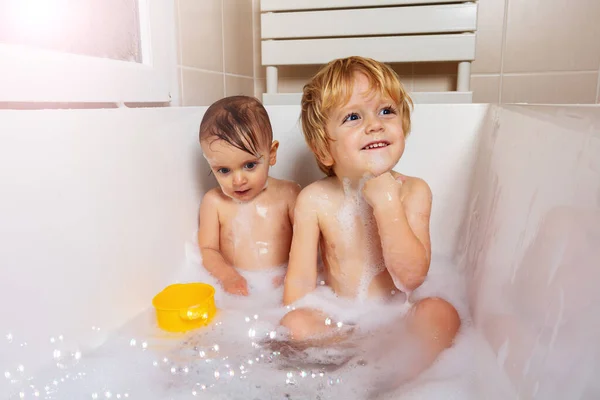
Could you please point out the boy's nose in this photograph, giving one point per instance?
(373, 125)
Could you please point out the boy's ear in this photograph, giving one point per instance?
(273, 153)
(326, 159)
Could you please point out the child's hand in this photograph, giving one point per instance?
(236, 285)
(381, 190)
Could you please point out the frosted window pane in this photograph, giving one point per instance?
(99, 28)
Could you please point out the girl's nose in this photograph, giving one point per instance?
(239, 178)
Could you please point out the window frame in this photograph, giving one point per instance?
(37, 75)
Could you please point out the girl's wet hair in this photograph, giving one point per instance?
(241, 121)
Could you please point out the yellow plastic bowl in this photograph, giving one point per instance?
(185, 306)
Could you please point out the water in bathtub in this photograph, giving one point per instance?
(243, 354)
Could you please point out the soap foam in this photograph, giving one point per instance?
(245, 354)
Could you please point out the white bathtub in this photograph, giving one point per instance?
(96, 206)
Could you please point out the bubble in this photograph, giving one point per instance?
(340, 324)
(272, 334)
(327, 321)
(216, 347)
(255, 316)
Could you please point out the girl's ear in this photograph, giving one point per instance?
(273, 153)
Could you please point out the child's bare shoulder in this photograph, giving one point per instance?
(317, 192)
(416, 193)
(214, 197)
(289, 189)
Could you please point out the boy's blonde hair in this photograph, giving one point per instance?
(331, 87)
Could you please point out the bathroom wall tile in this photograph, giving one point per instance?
(292, 84)
(485, 88)
(563, 88)
(296, 71)
(552, 35)
(490, 23)
(407, 81)
(402, 68)
(259, 70)
(235, 85)
(200, 29)
(434, 83)
(436, 68)
(238, 37)
(177, 30)
(260, 87)
(201, 88)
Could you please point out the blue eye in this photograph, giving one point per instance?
(250, 165)
(388, 110)
(223, 170)
(351, 117)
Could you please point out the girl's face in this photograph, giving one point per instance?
(241, 175)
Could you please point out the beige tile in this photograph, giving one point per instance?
(407, 81)
(402, 68)
(292, 84)
(572, 88)
(436, 68)
(486, 88)
(201, 88)
(259, 70)
(260, 87)
(235, 85)
(238, 35)
(490, 21)
(200, 30)
(177, 39)
(434, 83)
(295, 71)
(552, 35)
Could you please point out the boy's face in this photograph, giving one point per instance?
(367, 135)
(240, 175)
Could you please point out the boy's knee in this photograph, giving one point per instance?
(300, 323)
(440, 315)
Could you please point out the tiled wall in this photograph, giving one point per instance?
(536, 51)
(216, 49)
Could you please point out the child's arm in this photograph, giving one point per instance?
(301, 277)
(208, 240)
(294, 192)
(402, 212)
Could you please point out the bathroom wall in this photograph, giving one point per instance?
(530, 245)
(531, 51)
(216, 49)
